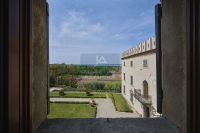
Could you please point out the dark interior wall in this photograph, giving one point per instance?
(173, 38)
(14, 61)
(40, 62)
(15, 101)
(1, 66)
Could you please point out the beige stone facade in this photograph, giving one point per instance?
(139, 78)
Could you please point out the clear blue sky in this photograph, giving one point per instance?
(97, 26)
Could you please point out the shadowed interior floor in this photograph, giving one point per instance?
(118, 125)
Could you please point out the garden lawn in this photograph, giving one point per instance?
(120, 102)
(65, 110)
(79, 95)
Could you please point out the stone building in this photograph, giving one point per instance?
(139, 77)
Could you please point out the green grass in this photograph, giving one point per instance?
(65, 110)
(120, 102)
(79, 95)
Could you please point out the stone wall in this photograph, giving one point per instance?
(173, 38)
(40, 62)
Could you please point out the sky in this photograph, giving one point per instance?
(79, 27)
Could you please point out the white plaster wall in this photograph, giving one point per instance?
(139, 75)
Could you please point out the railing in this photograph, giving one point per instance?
(143, 99)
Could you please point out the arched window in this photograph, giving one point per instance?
(145, 89)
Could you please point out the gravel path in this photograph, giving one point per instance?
(105, 107)
(70, 100)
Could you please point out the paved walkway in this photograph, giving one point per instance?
(105, 107)
(83, 100)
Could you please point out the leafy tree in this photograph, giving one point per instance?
(108, 86)
(68, 75)
(52, 80)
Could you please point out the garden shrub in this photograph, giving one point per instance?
(93, 103)
(104, 86)
(61, 92)
(88, 93)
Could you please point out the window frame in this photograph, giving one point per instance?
(131, 63)
(145, 66)
(124, 89)
(131, 80)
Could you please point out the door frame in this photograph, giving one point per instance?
(193, 65)
(145, 89)
(158, 17)
(3, 67)
(16, 67)
(146, 111)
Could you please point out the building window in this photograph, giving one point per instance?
(124, 90)
(145, 64)
(131, 96)
(124, 76)
(131, 63)
(124, 63)
(131, 80)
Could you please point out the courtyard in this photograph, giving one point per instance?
(98, 105)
